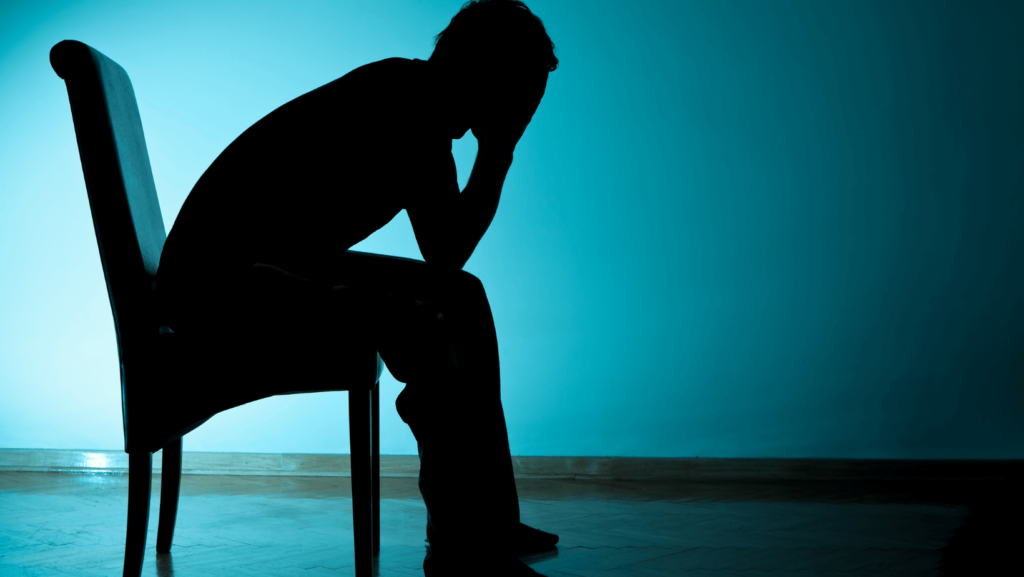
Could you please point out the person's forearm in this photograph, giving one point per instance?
(479, 202)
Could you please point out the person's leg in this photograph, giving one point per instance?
(465, 467)
(452, 404)
(435, 333)
(465, 334)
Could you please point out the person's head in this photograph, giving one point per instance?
(499, 53)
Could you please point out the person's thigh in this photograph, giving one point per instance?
(400, 277)
(364, 296)
(430, 326)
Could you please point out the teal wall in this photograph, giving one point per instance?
(734, 228)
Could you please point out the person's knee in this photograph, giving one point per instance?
(465, 284)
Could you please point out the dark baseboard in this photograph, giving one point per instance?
(620, 468)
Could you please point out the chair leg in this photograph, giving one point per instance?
(140, 486)
(375, 465)
(359, 454)
(170, 487)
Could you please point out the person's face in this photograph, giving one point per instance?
(509, 99)
(504, 98)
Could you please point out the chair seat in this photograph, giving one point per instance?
(194, 379)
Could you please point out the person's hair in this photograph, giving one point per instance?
(503, 30)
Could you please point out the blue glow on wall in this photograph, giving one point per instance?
(734, 228)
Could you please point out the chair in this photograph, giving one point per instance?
(130, 233)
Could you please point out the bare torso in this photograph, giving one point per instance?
(310, 179)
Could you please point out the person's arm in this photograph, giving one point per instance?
(448, 225)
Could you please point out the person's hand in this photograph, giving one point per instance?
(502, 132)
(503, 120)
(505, 109)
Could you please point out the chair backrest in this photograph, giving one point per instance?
(122, 196)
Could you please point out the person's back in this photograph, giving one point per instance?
(308, 181)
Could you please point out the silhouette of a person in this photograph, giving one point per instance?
(322, 172)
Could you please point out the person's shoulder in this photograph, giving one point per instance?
(383, 79)
(388, 67)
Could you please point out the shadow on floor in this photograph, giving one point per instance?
(986, 543)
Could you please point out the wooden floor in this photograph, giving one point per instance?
(58, 524)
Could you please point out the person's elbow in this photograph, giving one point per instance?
(444, 254)
(444, 240)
